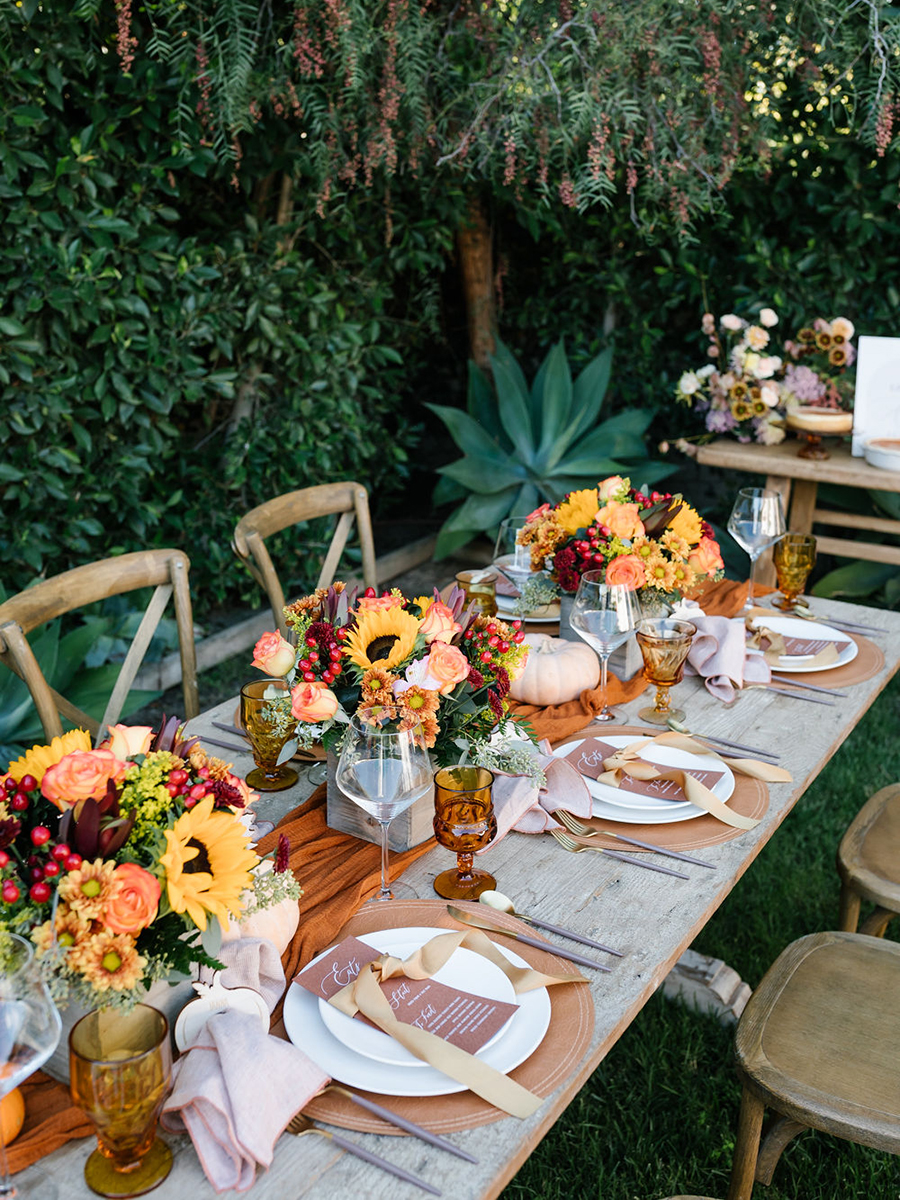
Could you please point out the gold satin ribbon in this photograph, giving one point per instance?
(627, 761)
(777, 650)
(364, 995)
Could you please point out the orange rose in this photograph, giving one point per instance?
(439, 624)
(627, 570)
(81, 775)
(447, 666)
(313, 702)
(273, 655)
(135, 900)
(707, 558)
(127, 741)
(621, 520)
(379, 603)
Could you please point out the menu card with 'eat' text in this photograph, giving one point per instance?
(458, 1017)
(588, 759)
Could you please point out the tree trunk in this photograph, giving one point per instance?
(476, 260)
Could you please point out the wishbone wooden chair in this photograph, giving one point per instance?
(164, 570)
(868, 862)
(349, 499)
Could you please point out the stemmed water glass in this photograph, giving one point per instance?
(605, 615)
(756, 522)
(29, 1031)
(384, 770)
(510, 558)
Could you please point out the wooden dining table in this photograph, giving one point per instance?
(652, 918)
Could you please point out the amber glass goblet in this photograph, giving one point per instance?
(266, 718)
(664, 644)
(121, 1067)
(795, 557)
(464, 821)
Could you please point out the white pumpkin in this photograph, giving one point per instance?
(278, 923)
(556, 671)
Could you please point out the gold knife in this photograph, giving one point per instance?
(551, 948)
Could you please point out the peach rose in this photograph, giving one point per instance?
(127, 741)
(627, 570)
(135, 900)
(439, 624)
(448, 665)
(313, 702)
(609, 486)
(540, 511)
(379, 603)
(707, 558)
(621, 520)
(273, 655)
(81, 775)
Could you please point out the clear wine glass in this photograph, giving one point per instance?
(605, 615)
(29, 1033)
(510, 558)
(383, 770)
(756, 522)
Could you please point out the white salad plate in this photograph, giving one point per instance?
(518, 1039)
(612, 804)
(797, 627)
(506, 611)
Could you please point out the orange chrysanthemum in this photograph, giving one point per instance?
(88, 889)
(109, 961)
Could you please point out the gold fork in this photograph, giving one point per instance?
(576, 848)
(575, 826)
(300, 1125)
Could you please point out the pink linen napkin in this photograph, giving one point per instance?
(237, 1086)
(520, 804)
(719, 654)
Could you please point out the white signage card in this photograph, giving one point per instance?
(876, 406)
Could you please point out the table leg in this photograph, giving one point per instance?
(765, 570)
(803, 506)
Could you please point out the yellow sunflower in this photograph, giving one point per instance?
(40, 758)
(686, 524)
(207, 863)
(382, 638)
(577, 512)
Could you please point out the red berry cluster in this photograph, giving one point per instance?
(321, 653)
(487, 645)
(189, 788)
(36, 872)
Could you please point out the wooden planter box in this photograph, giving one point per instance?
(409, 829)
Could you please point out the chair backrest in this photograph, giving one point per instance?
(164, 570)
(349, 499)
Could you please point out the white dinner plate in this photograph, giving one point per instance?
(521, 1037)
(796, 627)
(506, 611)
(464, 970)
(612, 804)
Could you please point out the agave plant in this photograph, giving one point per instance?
(522, 446)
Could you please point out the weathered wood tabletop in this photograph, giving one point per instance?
(652, 918)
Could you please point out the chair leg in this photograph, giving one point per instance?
(780, 1132)
(877, 922)
(850, 906)
(743, 1169)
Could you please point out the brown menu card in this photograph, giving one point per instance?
(588, 759)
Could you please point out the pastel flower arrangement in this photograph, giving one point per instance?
(420, 664)
(655, 544)
(745, 389)
(818, 374)
(124, 863)
(736, 392)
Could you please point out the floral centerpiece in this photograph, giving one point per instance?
(655, 543)
(423, 664)
(737, 391)
(817, 371)
(122, 864)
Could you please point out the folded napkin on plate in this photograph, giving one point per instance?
(719, 654)
(521, 804)
(237, 1086)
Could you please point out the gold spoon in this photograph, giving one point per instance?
(503, 904)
